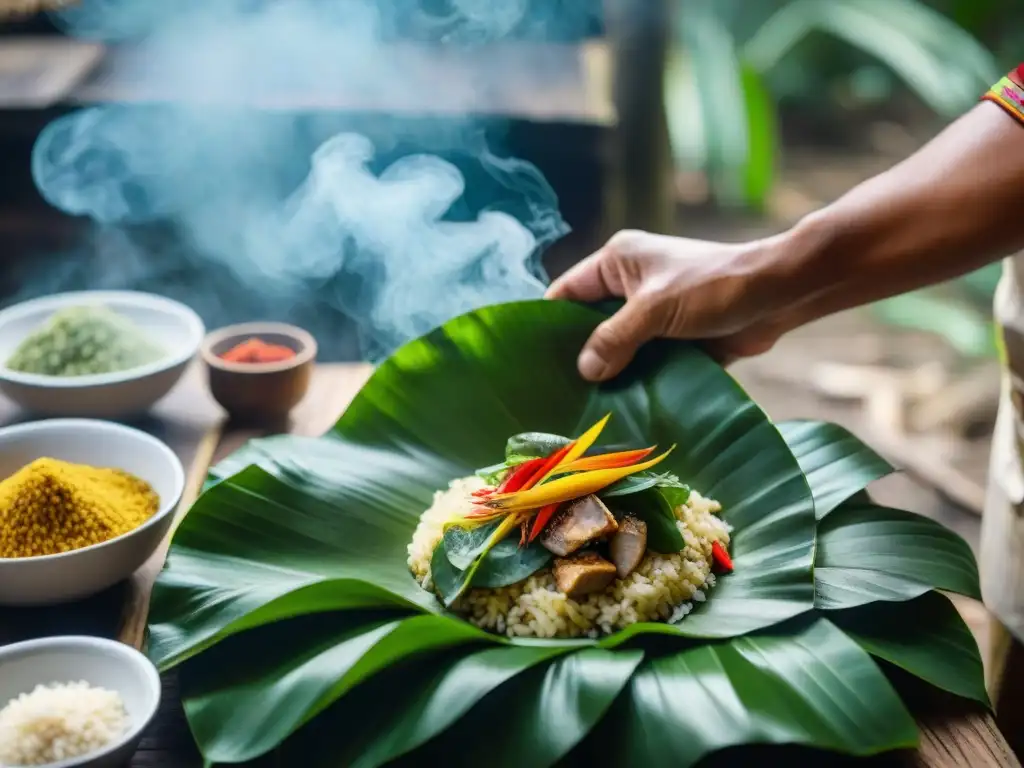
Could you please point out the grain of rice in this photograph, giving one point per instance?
(58, 722)
(662, 588)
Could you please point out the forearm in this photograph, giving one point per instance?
(954, 206)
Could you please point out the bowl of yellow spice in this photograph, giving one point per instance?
(83, 504)
(96, 354)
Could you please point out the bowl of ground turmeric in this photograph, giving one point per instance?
(83, 504)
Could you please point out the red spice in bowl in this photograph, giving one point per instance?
(255, 350)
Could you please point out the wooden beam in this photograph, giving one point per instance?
(641, 173)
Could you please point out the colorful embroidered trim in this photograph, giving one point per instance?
(1008, 93)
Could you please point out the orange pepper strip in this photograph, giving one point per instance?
(550, 463)
(577, 448)
(607, 460)
(567, 488)
(543, 516)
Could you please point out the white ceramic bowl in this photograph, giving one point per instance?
(100, 663)
(82, 572)
(108, 395)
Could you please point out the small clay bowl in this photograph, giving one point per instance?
(259, 392)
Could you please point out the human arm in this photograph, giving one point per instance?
(950, 208)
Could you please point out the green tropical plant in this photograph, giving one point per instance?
(720, 108)
(301, 637)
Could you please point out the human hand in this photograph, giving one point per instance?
(674, 288)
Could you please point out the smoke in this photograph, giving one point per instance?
(294, 207)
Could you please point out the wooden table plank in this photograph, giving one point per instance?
(538, 81)
(951, 733)
(37, 72)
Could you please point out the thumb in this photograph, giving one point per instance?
(615, 342)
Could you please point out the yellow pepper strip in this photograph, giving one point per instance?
(607, 460)
(475, 517)
(567, 488)
(580, 446)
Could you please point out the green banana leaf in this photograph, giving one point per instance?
(720, 114)
(837, 465)
(287, 604)
(812, 686)
(949, 660)
(941, 62)
(868, 553)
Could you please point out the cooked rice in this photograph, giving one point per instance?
(662, 588)
(59, 722)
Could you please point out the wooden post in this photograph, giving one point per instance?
(639, 187)
(1006, 683)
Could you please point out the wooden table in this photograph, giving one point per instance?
(952, 733)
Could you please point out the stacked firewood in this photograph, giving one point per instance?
(931, 418)
(923, 418)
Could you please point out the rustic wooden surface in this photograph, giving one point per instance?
(38, 72)
(952, 733)
(564, 82)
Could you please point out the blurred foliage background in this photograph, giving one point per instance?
(735, 64)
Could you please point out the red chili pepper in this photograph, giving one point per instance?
(517, 478)
(721, 557)
(482, 492)
(542, 518)
(548, 464)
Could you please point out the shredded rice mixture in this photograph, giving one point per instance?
(662, 588)
(57, 722)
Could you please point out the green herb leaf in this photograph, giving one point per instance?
(507, 563)
(654, 509)
(503, 564)
(676, 492)
(637, 483)
(446, 577)
(464, 545)
(534, 444)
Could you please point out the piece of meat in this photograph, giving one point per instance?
(628, 545)
(578, 523)
(582, 574)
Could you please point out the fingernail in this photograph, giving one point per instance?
(591, 365)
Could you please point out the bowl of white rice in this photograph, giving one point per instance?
(69, 702)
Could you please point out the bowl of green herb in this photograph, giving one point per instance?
(99, 354)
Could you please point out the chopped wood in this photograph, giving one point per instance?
(967, 402)
(846, 381)
(927, 458)
(916, 417)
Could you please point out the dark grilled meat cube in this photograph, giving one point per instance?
(628, 545)
(580, 522)
(582, 574)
